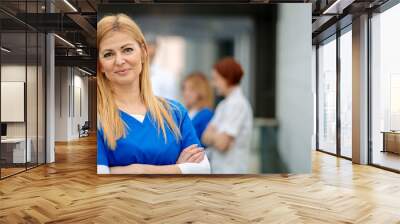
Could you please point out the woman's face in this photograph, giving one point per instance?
(120, 58)
(190, 97)
(219, 83)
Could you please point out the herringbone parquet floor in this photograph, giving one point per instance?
(69, 191)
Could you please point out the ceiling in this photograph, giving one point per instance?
(76, 22)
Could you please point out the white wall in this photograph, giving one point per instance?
(69, 85)
(12, 101)
(80, 100)
(61, 103)
(33, 126)
(294, 86)
(14, 73)
(17, 73)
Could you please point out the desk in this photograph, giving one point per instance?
(391, 141)
(18, 149)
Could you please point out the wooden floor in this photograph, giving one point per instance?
(69, 191)
(10, 171)
(5, 172)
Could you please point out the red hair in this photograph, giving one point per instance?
(230, 70)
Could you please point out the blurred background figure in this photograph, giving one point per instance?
(163, 81)
(198, 98)
(229, 133)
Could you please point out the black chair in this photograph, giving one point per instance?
(84, 130)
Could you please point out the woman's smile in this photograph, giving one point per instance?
(124, 71)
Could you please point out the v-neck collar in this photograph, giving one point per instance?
(138, 117)
(133, 118)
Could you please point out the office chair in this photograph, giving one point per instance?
(84, 130)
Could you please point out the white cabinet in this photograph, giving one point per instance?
(18, 146)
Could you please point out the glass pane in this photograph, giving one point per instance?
(41, 98)
(346, 94)
(314, 78)
(386, 89)
(13, 84)
(327, 97)
(31, 101)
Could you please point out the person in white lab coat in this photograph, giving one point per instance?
(228, 135)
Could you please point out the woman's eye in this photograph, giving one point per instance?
(128, 50)
(106, 55)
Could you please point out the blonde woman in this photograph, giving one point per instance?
(138, 133)
(199, 99)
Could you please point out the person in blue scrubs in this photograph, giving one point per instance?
(138, 132)
(198, 97)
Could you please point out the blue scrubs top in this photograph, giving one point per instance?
(200, 120)
(145, 144)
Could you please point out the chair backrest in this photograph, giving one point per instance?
(86, 125)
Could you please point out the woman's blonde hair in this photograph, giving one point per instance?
(200, 84)
(107, 110)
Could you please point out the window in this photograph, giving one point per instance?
(346, 93)
(385, 88)
(327, 96)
